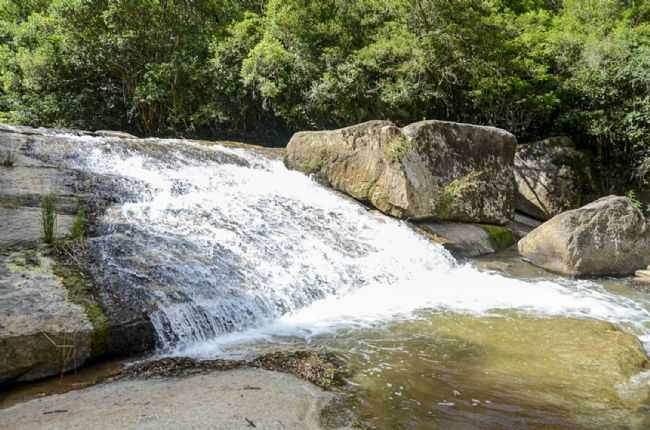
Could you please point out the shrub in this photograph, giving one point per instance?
(631, 195)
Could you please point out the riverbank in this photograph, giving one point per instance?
(235, 399)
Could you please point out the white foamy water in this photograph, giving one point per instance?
(247, 249)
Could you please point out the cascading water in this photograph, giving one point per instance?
(224, 241)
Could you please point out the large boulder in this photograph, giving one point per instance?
(552, 177)
(427, 170)
(607, 237)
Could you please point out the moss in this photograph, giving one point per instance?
(78, 230)
(448, 195)
(78, 288)
(25, 261)
(398, 148)
(10, 202)
(312, 166)
(500, 236)
(453, 191)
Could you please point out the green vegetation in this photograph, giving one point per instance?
(631, 196)
(398, 148)
(78, 230)
(312, 166)
(501, 236)
(215, 67)
(49, 218)
(79, 292)
(9, 160)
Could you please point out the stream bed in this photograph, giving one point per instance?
(232, 255)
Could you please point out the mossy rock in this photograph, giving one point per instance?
(79, 292)
(501, 237)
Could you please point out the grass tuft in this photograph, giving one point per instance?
(49, 218)
(78, 230)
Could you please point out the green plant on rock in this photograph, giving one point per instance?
(312, 166)
(398, 148)
(49, 218)
(631, 195)
(501, 236)
(9, 160)
(78, 230)
(447, 197)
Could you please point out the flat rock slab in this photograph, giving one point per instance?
(26, 186)
(238, 399)
(23, 226)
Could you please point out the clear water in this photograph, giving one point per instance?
(233, 248)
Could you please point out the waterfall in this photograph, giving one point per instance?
(225, 240)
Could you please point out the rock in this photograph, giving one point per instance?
(427, 170)
(468, 240)
(51, 320)
(22, 226)
(54, 317)
(322, 369)
(607, 237)
(552, 177)
(522, 224)
(27, 186)
(42, 333)
(237, 399)
(117, 134)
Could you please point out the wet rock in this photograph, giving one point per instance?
(468, 240)
(427, 170)
(607, 237)
(112, 133)
(322, 369)
(552, 177)
(179, 366)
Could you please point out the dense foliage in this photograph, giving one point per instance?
(268, 67)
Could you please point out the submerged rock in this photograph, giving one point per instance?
(552, 177)
(607, 237)
(427, 170)
(506, 370)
